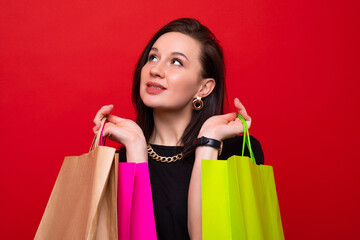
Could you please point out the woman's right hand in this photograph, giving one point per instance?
(123, 131)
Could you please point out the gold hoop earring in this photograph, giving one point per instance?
(197, 103)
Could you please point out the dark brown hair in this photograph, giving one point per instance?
(212, 62)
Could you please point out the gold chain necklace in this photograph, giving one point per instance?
(158, 158)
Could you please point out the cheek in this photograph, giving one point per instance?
(188, 83)
(186, 88)
(142, 73)
(142, 88)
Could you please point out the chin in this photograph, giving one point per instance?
(162, 102)
(151, 101)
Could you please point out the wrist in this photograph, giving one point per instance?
(205, 152)
(137, 152)
(209, 142)
(135, 143)
(209, 135)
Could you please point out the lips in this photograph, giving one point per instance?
(155, 85)
(154, 88)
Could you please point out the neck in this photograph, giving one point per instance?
(169, 126)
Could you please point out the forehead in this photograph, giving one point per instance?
(178, 42)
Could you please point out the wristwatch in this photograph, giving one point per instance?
(204, 141)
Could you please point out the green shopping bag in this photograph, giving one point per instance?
(239, 199)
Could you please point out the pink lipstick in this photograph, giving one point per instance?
(154, 88)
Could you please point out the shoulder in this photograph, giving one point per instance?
(233, 146)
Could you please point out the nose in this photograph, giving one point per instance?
(157, 71)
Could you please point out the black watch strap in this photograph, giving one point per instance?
(204, 141)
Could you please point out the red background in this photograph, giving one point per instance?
(292, 63)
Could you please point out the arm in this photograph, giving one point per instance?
(194, 199)
(217, 127)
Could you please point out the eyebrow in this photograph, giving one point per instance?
(173, 53)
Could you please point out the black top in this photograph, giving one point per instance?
(170, 185)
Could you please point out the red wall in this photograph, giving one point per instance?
(292, 63)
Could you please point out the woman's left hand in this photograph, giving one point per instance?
(225, 126)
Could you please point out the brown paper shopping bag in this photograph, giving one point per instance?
(83, 202)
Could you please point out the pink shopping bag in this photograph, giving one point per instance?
(135, 206)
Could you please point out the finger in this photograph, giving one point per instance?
(109, 130)
(96, 128)
(115, 119)
(115, 133)
(237, 121)
(248, 123)
(104, 110)
(229, 116)
(232, 130)
(246, 116)
(241, 109)
(239, 106)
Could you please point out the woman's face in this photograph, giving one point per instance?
(172, 75)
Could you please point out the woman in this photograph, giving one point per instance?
(178, 93)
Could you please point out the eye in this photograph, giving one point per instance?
(177, 62)
(152, 58)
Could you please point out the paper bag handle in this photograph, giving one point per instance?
(99, 140)
(246, 139)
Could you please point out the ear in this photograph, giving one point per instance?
(206, 87)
